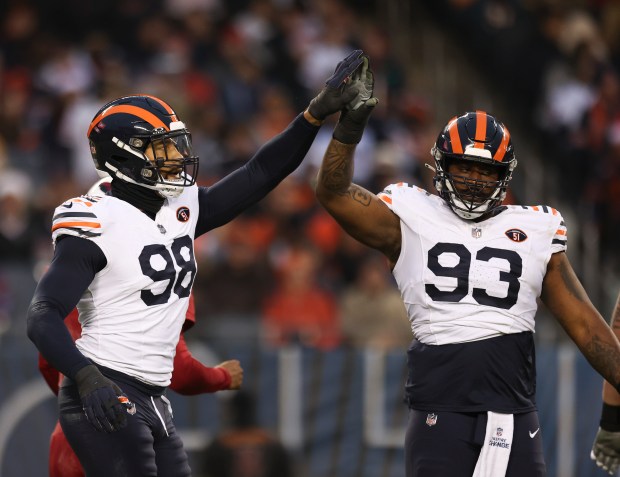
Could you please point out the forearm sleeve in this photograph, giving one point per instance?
(190, 376)
(75, 263)
(247, 185)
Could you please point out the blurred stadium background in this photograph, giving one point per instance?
(310, 313)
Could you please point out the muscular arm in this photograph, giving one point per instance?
(360, 212)
(610, 395)
(565, 297)
(247, 185)
(75, 263)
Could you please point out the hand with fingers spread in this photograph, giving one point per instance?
(104, 403)
(336, 94)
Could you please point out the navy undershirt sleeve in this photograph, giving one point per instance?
(275, 160)
(75, 263)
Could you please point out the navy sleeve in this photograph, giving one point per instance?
(75, 263)
(275, 160)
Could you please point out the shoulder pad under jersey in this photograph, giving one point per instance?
(77, 217)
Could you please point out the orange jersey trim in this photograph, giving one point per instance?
(94, 225)
(385, 198)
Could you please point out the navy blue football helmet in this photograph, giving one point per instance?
(478, 137)
(123, 130)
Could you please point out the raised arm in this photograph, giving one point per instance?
(280, 156)
(360, 213)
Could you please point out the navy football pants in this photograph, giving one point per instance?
(450, 446)
(148, 446)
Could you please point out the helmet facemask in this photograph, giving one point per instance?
(173, 165)
(470, 198)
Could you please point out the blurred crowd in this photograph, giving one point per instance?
(237, 72)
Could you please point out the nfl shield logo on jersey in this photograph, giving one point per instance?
(476, 232)
(431, 419)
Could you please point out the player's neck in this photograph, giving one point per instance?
(148, 201)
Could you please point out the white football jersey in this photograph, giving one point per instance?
(464, 281)
(133, 311)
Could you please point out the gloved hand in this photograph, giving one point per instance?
(337, 94)
(351, 124)
(362, 80)
(606, 450)
(104, 403)
(354, 117)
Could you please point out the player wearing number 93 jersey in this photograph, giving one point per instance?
(470, 271)
(463, 282)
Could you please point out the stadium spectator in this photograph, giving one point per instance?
(372, 313)
(299, 311)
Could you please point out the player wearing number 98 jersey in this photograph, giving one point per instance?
(127, 262)
(470, 271)
(147, 279)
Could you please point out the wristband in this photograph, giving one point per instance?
(610, 418)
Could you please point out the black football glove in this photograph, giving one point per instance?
(354, 117)
(363, 81)
(351, 124)
(335, 95)
(103, 401)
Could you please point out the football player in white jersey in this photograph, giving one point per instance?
(470, 271)
(127, 262)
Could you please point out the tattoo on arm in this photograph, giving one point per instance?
(360, 195)
(600, 355)
(337, 168)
